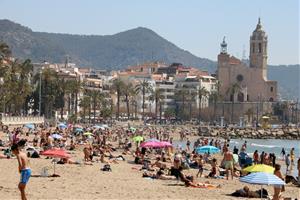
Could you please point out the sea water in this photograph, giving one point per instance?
(266, 145)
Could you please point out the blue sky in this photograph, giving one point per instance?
(194, 25)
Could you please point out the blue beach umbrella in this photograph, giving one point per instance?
(30, 126)
(262, 178)
(96, 126)
(78, 130)
(207, 149)
(62, 126)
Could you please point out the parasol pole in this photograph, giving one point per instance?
(54, 168)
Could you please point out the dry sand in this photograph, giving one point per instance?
(88, 182)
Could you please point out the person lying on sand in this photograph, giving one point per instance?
(159, 175)
(69, 161)
(106, 161)
(246, 192)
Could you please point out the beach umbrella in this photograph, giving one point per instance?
(30, 126)
(156, 144)
(262, 178)
(88, 133)
(132, 129)
(207, 149)
(138, 139)
(165, 144)
(55, 153)
(56, 136)
(151, 144)
(78, 130)
(96, 127)
(62, 126)
(260, 168)
(152, 140)
(104, 126)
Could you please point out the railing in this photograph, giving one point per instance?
(21, 120)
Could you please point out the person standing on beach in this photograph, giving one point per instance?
(24, 169)
(228, 162)
(283, 153)
(287, 162)
(292, 154)
(278, 188)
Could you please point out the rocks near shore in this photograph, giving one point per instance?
(286, 133)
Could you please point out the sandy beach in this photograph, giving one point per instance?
(124, 182)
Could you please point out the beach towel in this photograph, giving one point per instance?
(204, 186)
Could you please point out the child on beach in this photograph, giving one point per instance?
(24, 169)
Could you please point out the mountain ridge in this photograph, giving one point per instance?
(120, 50)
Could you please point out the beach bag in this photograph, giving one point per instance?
(106, 167)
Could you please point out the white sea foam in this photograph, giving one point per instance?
(263, 145)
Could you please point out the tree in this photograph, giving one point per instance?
(191, 98)
(143, 87)
(85, 104)
(16, 86)
(181, 96)
(215, 97)
(118, 86)
(201, 93)
(232, 90)
(96, 98)
(156, 96)
(128, 92)
(49, 92)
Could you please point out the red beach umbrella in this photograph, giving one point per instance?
(56, 153)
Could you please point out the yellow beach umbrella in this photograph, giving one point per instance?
(260, 168)
(88, 133)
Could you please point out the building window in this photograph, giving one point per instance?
(248, 97)
(259, 48)
(253, 48)
(271, 89)
(271, 99)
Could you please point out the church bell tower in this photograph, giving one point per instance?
(258, 49)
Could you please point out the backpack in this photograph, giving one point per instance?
(106, 167)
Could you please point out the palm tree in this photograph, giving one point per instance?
(118, 86)
(215, 97)
(232, 90)
(95, 96)
(85, 104)
(181, 96)
(143, 87)
(202, 93)
(128, 92)
(191, 98)
(156, 96)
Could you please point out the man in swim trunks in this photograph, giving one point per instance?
(228, 162)
(24, 169)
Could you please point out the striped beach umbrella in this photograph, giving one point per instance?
(262, 178)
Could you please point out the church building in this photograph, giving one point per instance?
(250, 82)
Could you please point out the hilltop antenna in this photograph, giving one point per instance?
(67, 61)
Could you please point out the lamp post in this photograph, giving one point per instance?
(40, 94)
